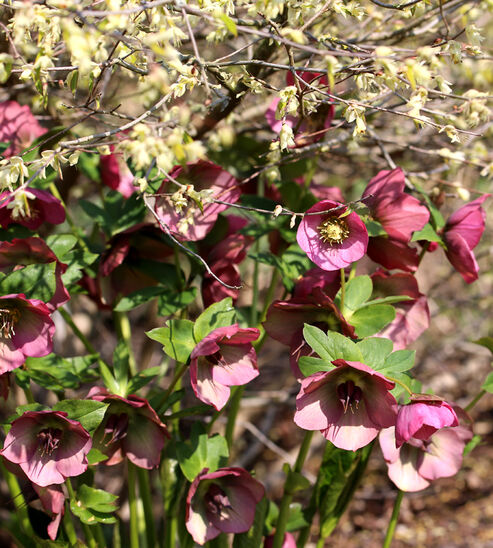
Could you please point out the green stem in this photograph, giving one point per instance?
(125, 333)
(270, 294)
(132, 502)
(98, 533)
(475, 400)
(287, 498)
(343, 289)
(145, 494)
(393, 520)
(408, 390)
(17, 499)
(253, 309)
(103, 367)
(179, 372)
(90, 540)
(68, 525)
(234, 407)
(29, 394)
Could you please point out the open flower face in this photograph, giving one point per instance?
(48, 446)
(332, 239)
(349, 404)
(131, 428)
(26, 329)
(414, 465)
(222, 502)
(224, 358)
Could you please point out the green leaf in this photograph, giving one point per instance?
(94, 505)
(295, 481)
(229, 23)
(487, 342)
(95, 456)
(36, 281)
(55, 373)
(331, 346)
(309, 365)
(172, 301)
(142, 378)
(374, 228)
(61, 244)
(427, 233)
(77, 260)
(139, 297)
(219, 314)
(371, 319)
(375, 351)
(358, 291)
(388, 300)
(201, 452)
(89, 413)
(253, 537)
(398, 362)
(488, 384)
(296, 518)
(177, 339)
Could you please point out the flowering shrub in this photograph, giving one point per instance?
(220, 232)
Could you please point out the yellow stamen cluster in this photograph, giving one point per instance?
(8, 320)
(333, 230)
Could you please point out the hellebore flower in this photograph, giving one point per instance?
(115, 173)
(461, 235)
(223, 501)
(26, 251)
(314, 126)
(192, 223)
(332, 240)
(288, 542)
(53, 501)
(30, 209)
(224, 358)
(422, 417)
(399, 213)
(18, 127)
(26, 329)
(130, 428)
(414, 465)
(349, 404)
(47, 446)
(411, 317)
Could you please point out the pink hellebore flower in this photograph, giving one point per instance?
(48, 446)
(414, 465)
(223, 501)
(224, 358)
(115, 173)
(192, 223)
(349, 404)
(334, 239)
(288, 542)
(462, 234)
(26, 329)
(25, 251)
(412, 318)
(131, 428)
(422, 417)
(18, 126)
(41, 207)
(53, 502)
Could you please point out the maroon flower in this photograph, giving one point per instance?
(224, 358)
(47, 446)
(41, 207)
(222, 502)
(22, 252)
(192, 223)
(412, 317)
(18, 127)
(131, 428)
(462, 234)
(53, 502)
(115, 173)
(26, 329)
(334, 239)
(349, 404)
(422, 417)
(393, 254)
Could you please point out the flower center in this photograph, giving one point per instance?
(215, 358)
(49, 440)
(216, 500)
(333, 230)
(349, 394)
(8, 320)
(116, 428)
